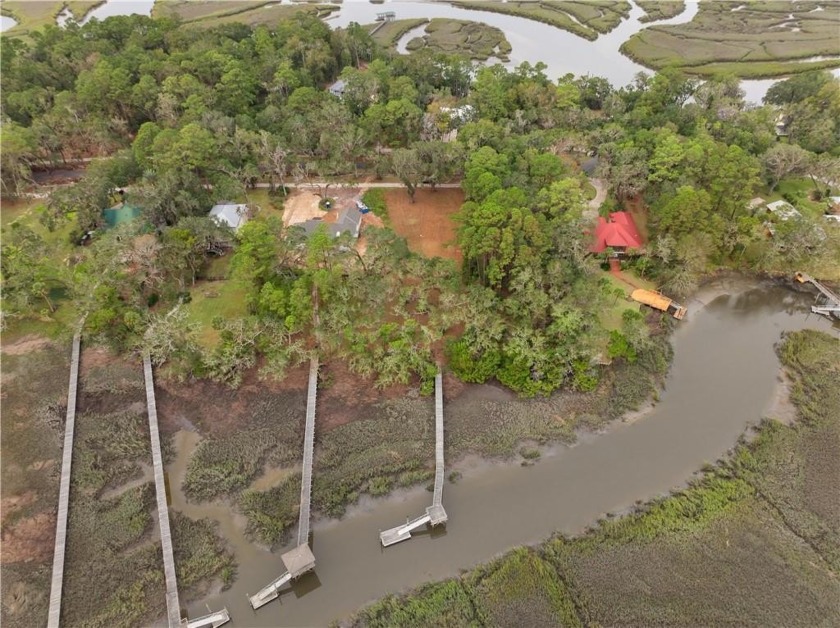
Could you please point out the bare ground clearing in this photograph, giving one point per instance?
(427, 223)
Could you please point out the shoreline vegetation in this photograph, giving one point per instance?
(475, 40)
(660, 9)
(758, 533)
(478, 41)
(759, 40)
(584, 19)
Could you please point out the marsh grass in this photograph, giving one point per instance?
(272, 513)
(370, 455)
(222, 466)
(200, 554)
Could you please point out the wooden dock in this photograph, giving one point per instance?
(54, 616)
(308, 452)
(435, 514)
(213, 620)
(173, 607)
(831, 301)
(299, 560)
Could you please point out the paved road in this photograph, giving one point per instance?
(364, 185)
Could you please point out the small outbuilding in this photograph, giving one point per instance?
(337, 88)
(618, 233)
(783, 210)
(231, 214)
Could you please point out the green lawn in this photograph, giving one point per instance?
(610, 316)
(800, 189)
(225, 298)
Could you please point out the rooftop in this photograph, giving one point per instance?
(783, 210)
(619, 232)
(231, 214)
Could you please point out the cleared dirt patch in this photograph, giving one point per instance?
(427, 223)
(300, 206)
(26, 344)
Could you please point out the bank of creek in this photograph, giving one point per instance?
(725, 377)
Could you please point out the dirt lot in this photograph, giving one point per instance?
(427, 223)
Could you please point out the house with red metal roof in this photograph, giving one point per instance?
(619, 233)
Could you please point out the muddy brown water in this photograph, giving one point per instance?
(725, 377)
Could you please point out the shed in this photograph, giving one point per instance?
(231, 214)
(337, 88)
(755, 203)
(783, 210)
(619, 233)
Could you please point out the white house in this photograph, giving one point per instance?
(230, 214)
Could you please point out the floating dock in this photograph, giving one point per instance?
(435, 514)
(659, 301)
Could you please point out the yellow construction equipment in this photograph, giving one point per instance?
(659, 301)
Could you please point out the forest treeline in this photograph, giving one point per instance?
(183, 117)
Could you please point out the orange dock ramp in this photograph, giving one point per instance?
(659, 302)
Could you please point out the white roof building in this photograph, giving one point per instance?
(230, 214)
(783, 210)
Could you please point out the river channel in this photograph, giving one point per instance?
(725, 377)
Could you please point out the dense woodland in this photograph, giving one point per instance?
(184, 117)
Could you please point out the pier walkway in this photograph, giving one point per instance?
(173, 606)
(435, 514)
(64, 490)
(299, 560)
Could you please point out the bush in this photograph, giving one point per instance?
(468, 366)
(374, 198)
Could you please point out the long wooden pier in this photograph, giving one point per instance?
(299, 560)
(435, 514)
(64, 489)
(173, 607)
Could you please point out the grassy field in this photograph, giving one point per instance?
(474, 39)
(660, 9)
(752, 543)
(209, 299)
(799, 190)
(585, 19)
(761, 41)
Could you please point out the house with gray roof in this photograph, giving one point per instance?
(348, 220)
(231, 214)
